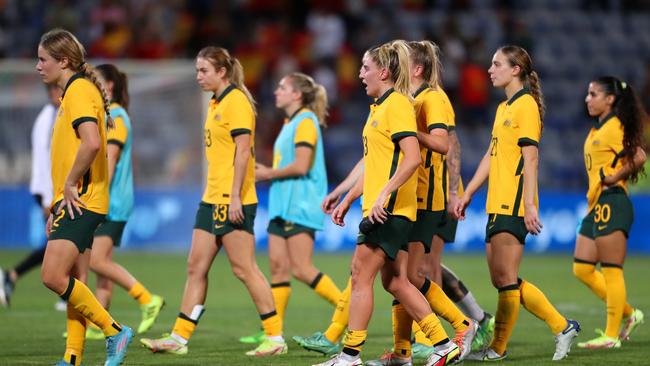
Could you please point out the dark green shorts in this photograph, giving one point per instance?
(448, 230)
(505, 223)
(427, 224)
(203, 219)
(222, 224)
(112, 229)
(79, 230)
(391, 236)
(613, 212)
(287, 229)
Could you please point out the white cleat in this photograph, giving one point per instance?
(341, 360)
(564, 339)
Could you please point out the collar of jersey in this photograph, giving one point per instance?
(598, 123)
(518, 94)
(420, 90)
(384, 96)
(72, 78)
(219, 98)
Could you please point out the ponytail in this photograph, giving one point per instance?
(518, 56)
(314, 95)
(90, 73)
(534, 85)
(427, 55)
(394, 56)
(630, 112)
(237, 78)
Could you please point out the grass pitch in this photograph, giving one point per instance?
(30, 331)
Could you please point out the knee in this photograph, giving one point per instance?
(97, 263)
(279, 267)
(501, 279)
(302, 273)
(195, 269)
(415, 276)
(243, 273)
(54, 281)
(395, 284)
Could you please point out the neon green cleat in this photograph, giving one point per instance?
(421, 351)
(601, 342)
(630, 323)
(166, 344)
(256, 338)
(317, 342)
(269, 348)
(95, 334)
(485, 333)
(150, 313)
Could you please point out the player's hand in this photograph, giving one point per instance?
(378, 213)
(461, 205)
(236, 211)
(339, 213)
(329, 202)
(452, 201)
(71, 200)
(262, 172)
(531, 219)
(48, 225)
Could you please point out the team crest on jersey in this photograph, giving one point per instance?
(596, 143)
(507, 123)
(374, 124)
(217, 117)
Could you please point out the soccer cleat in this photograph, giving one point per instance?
(117, 345)
(420, 351)
(601, 342)
(486, 355)
(340, 360)
(630, 323)
(256, 338)
(93, 333)
(166, 344)
(150, 313)
(390, 359)
(485, 333)
(269, 347)
(564, 339)
(444, 355)
(6, 288)
(317, 342)
(465, 338)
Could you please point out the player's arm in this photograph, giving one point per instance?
(453, 163)
(338, 214)
(437, 140)
(298, 168)
(531, 216)
(332, 199)
(480, 176)
(88, 149)
(242, 155)
(113, 153)
(627, 169)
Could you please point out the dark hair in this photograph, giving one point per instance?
(629, 110)
(120, 83)
(518, 56)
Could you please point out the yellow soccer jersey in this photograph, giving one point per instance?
(229, 115)
(391, 118)
(81, 102)
(432, 110)
(516, 124)
(603, 151)
(119, 133)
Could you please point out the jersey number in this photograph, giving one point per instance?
(493, 151)
(365, 145)
(208, 138)
(220, 213)
(603, 213)
(588, 161)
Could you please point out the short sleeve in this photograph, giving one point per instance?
(526, 116)
(615, 136)
(240, 116)
(83, 105)
(401, 119)
(118, 134)
(435, 112)
(306, 134)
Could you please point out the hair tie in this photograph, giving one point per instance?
(623, 85)
(82, 64)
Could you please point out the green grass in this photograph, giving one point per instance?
(30, 332)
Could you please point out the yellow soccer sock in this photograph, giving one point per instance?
(586, 272)
(431, 326)
(616, 295)
(272, 324)
(83, 300)
(340, 317)
(401, 330)
(184, 326)
(506, 317)
(534, 300)
(353, 341)
(281, 293)
(140, 293)
(443, 306)
(325, 288)
(74, 343)
(419, 335)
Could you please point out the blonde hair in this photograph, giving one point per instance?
(517, 56)
(61, 44)
(219, 57)
(427, 55)
(394, 56)
(314, 95)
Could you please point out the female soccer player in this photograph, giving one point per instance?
(109, 233)
(613, 155)
(227, 211)
(433, 113)
(388, 185)
(510, 165)
(299, 184)
(80, 181)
